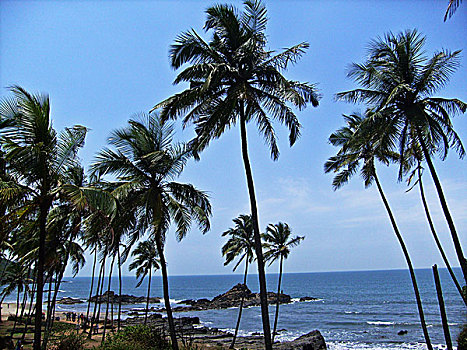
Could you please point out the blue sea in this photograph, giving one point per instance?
(354, 310)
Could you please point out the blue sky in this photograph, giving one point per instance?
(101, 62)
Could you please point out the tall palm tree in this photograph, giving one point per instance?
(145, 163)
(233, 80)
(40, 157)
(360, 144)
(240, 244)
(146, 260)
(399, 81)
(277, 241)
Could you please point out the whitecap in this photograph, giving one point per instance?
(381, 323)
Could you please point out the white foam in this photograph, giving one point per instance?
(386, 346)
(381, 323)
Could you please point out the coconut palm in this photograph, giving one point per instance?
(233, 80)
(399, 81)
(145, 162)
(145, 261)
(240, 245)
(360, 145)
(40, 158)
(277, 241)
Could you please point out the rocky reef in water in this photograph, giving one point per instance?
(231, 298)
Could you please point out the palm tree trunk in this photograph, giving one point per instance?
(435, 236)
(43, 211)
(101, 290)
(1, 302)
(147, 299)
(257, 235)
(51, 312)
(119, 289)
(92, 281)
(444, 205)
(276, 317)
(33, 290)
(16, 314)
(93, 318)
(165, 284)
(409, 263)
(108, 299)
(237, 326)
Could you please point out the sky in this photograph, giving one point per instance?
(103, 61)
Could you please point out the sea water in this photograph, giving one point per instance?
(353, 310)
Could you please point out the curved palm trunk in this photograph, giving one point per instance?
(165, 284)
(276, 317)
(232, 345)
(108, 300)
(92, 282)
(147, 299)
(257, 234)
(435, 236)
(409, 263)
(119, 289)
(444, 205)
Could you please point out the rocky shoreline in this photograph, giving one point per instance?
(190, 331)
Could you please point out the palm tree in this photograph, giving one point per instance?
(145, 162)
(277, 241)
(40, 157)
(146, 260)
(398, 81)
(240, 244)
(361, 144)
(235, 79)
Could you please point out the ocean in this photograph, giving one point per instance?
(354, 310)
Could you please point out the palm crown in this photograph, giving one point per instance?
(146, 259)
(399, 79)
(233, 76)
(278, 240)
(240, 243)
(145, 162)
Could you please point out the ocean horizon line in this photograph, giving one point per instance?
(285, 273)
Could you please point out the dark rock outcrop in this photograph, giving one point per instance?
(310, 341)
(231, 298)
(124, 298)
(69, 301)
(308, 299)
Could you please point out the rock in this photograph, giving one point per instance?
(69, 301)
(311, 341)
(402, 332)
(307, 299)
(124, 298)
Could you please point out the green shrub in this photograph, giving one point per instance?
(137, 337)
(462, 339)
(70, 341)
